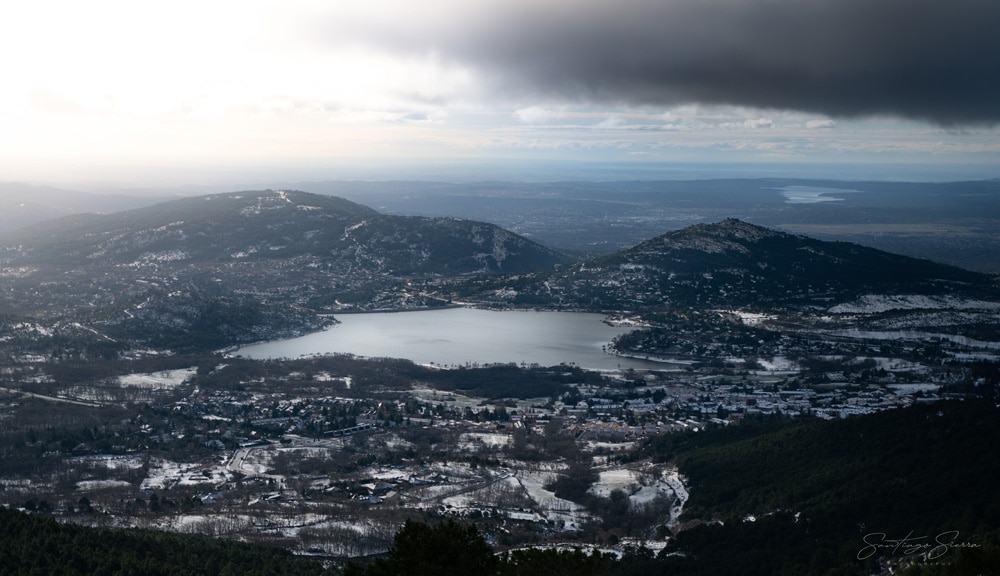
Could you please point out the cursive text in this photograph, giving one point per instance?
(909, 545)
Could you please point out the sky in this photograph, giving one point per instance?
(185, 92)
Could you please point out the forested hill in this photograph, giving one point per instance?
(267, 226)
(821, 493)
(40, 546)
(214, 271)
(734, 263)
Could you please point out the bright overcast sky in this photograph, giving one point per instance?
(90, 88)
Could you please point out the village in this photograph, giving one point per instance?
(323, 462)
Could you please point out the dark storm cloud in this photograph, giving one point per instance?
(933, 60)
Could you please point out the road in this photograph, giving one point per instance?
(52, 398)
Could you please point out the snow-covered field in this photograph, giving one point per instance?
(390, 474)
(474, 440)
(92, 485)
(642, 486)
(616, 479)
(327, 377)
(165, 380)
(877, 303)
(918, 336)
(749, 318)
(914, 388)
(113, 462)
(164, 474)
(778, 364)
(568, 515)
(534, 481)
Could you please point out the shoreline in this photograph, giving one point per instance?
(589, 348)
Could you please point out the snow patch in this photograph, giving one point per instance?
(878, 303)
(158, 380)
(472, 440)
(92, 485)
(778, 364)
(615, 479)
(749, 318)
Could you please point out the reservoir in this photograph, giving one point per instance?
(813, 194)
(463, 336)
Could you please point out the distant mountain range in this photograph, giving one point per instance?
(225, 269)
(955, 223)
(22, 205)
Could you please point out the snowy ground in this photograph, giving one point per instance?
(917, 336)
(622, 479)
(566, 514)
(778, 364)
(673, 479)
(165, 380)
(642, 486)
(165, 474)
(749, 318)
(475, 440)
(129, 462)
(242, 494)
(914, 388)
(92, 485)
(876, 303)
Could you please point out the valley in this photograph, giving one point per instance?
(126, 401)
(323, 456)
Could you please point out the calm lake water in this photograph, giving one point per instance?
(812, 194)
(460, 336)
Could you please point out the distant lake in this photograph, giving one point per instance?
(460, 336)
(812, 194)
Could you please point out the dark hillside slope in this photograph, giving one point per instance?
(232, 268)
(822, 491)
(733, 263)
(262, 226)
(33, 545)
